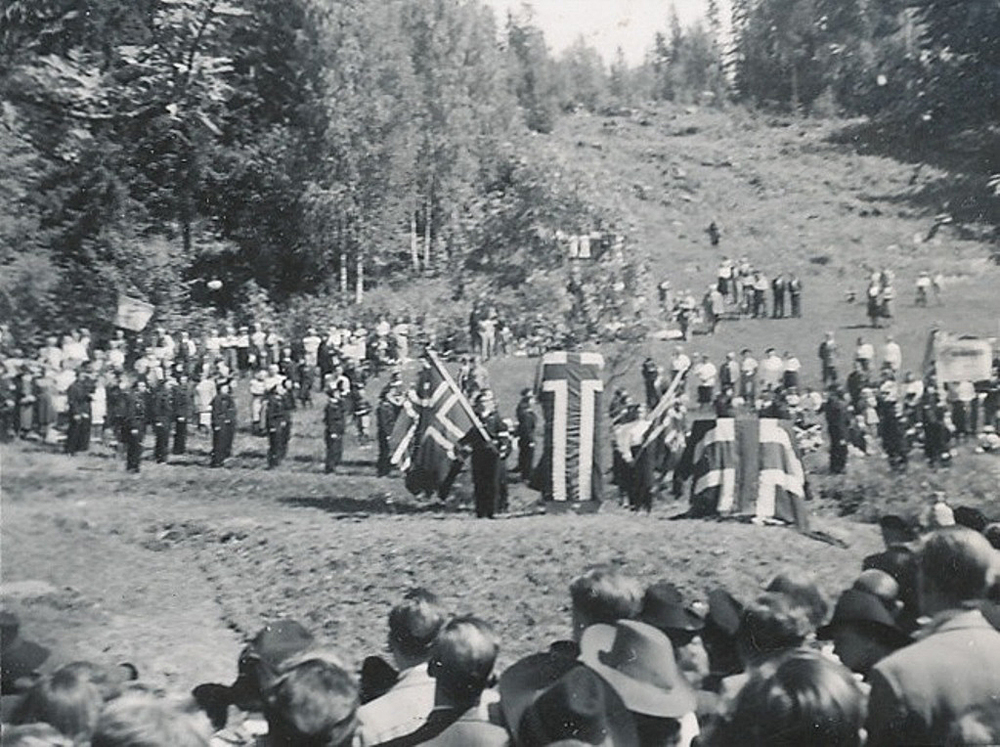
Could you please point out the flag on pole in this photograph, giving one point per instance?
(133, 314)
(663, 423)
(569, 387)
(404, 432)
(745, 466)
(445, 417)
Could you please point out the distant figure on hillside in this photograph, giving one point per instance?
(778, 287)
(923, 288)
(828, 358)
(795, 293)
(713, 233)
(874, 294)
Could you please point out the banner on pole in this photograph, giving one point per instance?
(133, 314)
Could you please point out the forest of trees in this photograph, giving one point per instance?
(304, 147)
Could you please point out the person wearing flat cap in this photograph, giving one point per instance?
(258, 669)
(637, 661)
(547, 699)
(863, 631)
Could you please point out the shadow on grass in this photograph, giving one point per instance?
(967, 158)
(346, 506)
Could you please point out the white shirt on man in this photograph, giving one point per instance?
(402, 710)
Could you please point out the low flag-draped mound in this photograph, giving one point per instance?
(746, 467)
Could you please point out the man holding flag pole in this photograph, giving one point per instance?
(426, 437)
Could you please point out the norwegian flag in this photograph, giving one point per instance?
(444, 418)
(404, 433)
(745, 466)
(667, 423)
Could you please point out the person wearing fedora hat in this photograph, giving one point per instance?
(637, 660)
(863, 631)
(546, 699)
(663, 607)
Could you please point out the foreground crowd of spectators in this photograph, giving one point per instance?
(910, 654)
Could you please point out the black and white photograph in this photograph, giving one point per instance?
(499, 373)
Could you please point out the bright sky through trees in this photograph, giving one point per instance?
(606, 24)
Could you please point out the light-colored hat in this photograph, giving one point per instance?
(637, 660)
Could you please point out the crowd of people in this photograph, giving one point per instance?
(739, 289)
(909, 654)
(180, 387)
(877, 406)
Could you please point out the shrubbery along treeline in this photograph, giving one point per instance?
(149, 146)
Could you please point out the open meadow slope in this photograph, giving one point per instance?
(173, 567)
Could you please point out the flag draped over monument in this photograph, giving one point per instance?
(745, 466)
(569, 387)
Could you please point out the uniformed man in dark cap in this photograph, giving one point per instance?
(161, 416)
(389, 405)
(223, 423)
(276, 422)
(134, 424)
(334, 426)
(486, 455)
(182, 409)
(838, 425)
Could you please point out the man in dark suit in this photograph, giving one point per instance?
(838, 425)
(920, 691)
(527, 422)
(78, 398)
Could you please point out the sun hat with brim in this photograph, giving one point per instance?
(547, 698)
(637, 660)
(861, 607)
(663, 608)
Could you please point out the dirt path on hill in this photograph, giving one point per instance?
(117, 601)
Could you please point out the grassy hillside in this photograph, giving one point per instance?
(171, 568)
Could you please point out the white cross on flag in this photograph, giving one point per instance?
(569, 387)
